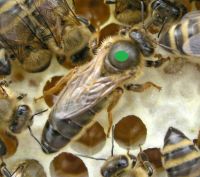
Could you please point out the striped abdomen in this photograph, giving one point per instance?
(58, 132)
(180, 157)
(178, 35)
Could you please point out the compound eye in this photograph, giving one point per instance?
(124, 55)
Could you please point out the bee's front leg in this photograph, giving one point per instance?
(156, 63)
(113, 100)
(141, 87)
(144, 160)
(59, 85)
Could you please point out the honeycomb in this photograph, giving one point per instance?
(139, 118)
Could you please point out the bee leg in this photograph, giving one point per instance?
(157, 63)
(141, 87)
(59, 85)
(143, 158)
(94, 41)
(198, 140)
(115, 97)
(4, 170)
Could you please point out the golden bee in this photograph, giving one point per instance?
(127, 166)
(129, 12)
(88, 88)
(183, 38)
(34, 31)
(27, 168)
(180, 156)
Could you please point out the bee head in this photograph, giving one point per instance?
(123, 55)
(21, 119)
(115, 165)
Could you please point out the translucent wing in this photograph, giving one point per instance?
(84, 90)
(192, 46)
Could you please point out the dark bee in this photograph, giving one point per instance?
(180, 156)
(90, 86)
(33, 31)
(183, 38)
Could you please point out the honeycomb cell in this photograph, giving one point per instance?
(128, 12)
(130, 132)
(109, 30)
(91, 141)
(49, 99)
(94, 10)
(10, 142)
(68, 165)
(154, 156)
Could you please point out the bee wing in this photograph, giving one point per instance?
(192, 46)
(85, 90)
(191, 15)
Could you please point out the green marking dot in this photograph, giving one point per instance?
(121, 56)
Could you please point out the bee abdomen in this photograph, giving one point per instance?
(187, 169)
(174, 39)
(180, 156)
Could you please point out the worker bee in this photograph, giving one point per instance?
(27, 168)
(183, 38)
(129, 12)
(127, 166)
(34, 31)
(14, 117)
(180, 156)
(86, 89)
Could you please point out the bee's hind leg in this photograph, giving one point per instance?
(141, 87)
(114, 99)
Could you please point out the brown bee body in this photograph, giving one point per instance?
(33, 31)
(87, 89)
(183, 37)
(180, 156)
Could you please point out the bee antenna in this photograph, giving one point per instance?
(112, 149)
(31, 133)
(142, 13)
(162, 27)
(20, 167)
(37, 113)
(94, 158)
